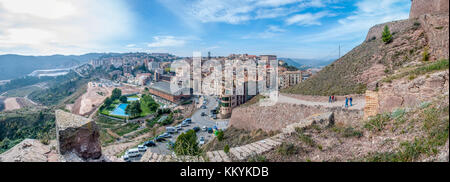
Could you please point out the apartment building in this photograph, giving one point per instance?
(289, 78)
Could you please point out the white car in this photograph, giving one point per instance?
(202, 141)
(204, 128)
(142, 148)
(133, 153)
(126, 158)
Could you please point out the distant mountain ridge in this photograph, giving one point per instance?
(14, 66)
(306, 63)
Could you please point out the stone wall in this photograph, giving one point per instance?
(372, 104)
(421, 7)
(279, 116)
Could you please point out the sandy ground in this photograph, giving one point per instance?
(94, 97)
(11, 104)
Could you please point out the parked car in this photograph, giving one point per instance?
(159, 139)
(196, 129)
(188, 120)
(184, 124)
(179, 127)
(126, 158)
(203, 114)
(165, 135)
(171, 130)
(142, 148)
(210, 130)
(149, 143)
(132, 153)
(204, 128)
(202, 141)
(203, 107)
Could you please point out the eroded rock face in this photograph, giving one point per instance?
(410, 93)
(78, 135)
(30, 150)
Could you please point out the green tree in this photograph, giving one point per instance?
(134, 109)
(123, 99)
(116, 93)
(386, 35)
(186, 144)
(108, 102)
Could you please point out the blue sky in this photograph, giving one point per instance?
(287, 28)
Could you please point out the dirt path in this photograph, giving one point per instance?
(358, 103)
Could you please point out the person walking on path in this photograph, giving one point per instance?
(329, 100)
(332, 98)
(346, 102)
(351, 100)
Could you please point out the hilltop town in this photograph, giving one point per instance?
(385, 100)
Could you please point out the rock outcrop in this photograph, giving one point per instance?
(30, 150)
(78, 135)
(421, 7)
(410, 93)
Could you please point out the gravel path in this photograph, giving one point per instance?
(358, 104)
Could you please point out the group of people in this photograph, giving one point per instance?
(348, 101)
(332, 99)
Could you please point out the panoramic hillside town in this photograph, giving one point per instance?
(383, 99)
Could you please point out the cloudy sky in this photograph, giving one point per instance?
(287, 28)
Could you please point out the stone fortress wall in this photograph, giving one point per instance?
(421, 7)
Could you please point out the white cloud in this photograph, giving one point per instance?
(130, 45)
(307, 18)
(166, 41)
(367, 14)
(236, 11)
(62, 26)
(270, 32)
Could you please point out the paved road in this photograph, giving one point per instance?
(197, 121)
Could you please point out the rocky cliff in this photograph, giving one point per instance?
(78, 135)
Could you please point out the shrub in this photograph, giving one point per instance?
(257, 158)
(351, 132)
(425, 55)
(305, 138)
(287, 149)
(226, 149)
(377, 123)
(220, 135)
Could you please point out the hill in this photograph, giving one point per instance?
(304, 64)
(14, 66)
(366, 64)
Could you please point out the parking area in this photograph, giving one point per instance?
(198, 120)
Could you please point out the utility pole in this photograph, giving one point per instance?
(339, 51)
